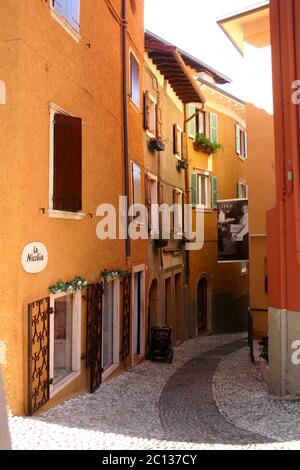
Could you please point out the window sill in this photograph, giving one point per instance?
(106, 374)
(205, 210)
(150, 135)
(64, 383)
(54, 214)
(65, 25)
(244, 159)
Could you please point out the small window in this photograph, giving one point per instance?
(201, 123)
(177, 141)
(200, 187)
(67, 163)
(241, 142)
(70, 12)
(134, 80)
(136, 184)
(192, 122)
(242, 190)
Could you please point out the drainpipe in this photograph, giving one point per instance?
(125, 119)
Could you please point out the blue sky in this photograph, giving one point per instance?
(191, 25)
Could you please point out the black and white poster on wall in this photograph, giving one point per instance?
(233, 231)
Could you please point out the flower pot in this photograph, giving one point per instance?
(156, 144)
(203, 148)
(182, 165)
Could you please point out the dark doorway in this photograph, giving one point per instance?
(202, 306)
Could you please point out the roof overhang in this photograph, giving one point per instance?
(250, 25)
(170, 64)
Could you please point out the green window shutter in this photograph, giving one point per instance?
(238, 139)
(246, 145)
(194, 189)
(213, 121)
(214, 192)
(192, 122)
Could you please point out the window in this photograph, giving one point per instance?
(110, 327)
(66, 190)
(241, 142)
(242, 190)
(65, 339)
(136, 184)
(200, 121)
(200, 186)
(134, 80)
(177, 140)
(69, 10)
(213, 120)
(152, 204)
(150, 114)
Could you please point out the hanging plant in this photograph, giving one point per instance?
(78, 283)
(112, 275)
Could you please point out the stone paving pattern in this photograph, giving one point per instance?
(157, 406)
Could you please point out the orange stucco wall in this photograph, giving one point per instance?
(42, 64)
(261, 179)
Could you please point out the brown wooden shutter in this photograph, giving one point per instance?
(161, 201)
(175, 139)
(158, 122)
(67, 184)
(146, 110)
(184, 146)
(175, 201)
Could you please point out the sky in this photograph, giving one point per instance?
(191, 26)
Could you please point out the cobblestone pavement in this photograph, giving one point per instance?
(154, 406)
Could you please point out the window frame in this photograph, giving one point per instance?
(134, 56)
(154, 103)
(76, 340)
(116, 328)
(242, 151)
(179, 131)
(64, 22)
(53, 213)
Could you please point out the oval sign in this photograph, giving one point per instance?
(34, 257)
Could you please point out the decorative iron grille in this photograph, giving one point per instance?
(94, 299)
(126, 315)
(38, 354)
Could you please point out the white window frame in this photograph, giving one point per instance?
(56, 214)
(206, 175)
(179, 139)
(137, 107)
(135, 270)
(64, 23)
(116, 328)
(76, 341)
(148, 131)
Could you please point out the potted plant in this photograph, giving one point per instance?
(203, 144)
(182, 165)
(156, 144)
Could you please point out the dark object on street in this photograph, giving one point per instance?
(161, 344)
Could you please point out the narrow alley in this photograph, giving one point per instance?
(211, 397)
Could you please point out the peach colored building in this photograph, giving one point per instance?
(70, 141)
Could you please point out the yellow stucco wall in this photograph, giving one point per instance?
(226, 164)
(41, 63)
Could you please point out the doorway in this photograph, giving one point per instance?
(168, 320)
(153, 304)
(202, 305)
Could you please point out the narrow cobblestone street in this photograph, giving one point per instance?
(211, 397)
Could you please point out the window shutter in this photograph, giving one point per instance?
(146, 110)
(184, 222)
(192, 122)
(246, 145)
(207, 125)
(184, 146)
(238, 139)
(67, 182)
(158, 122)
(194, 189)
(175, 139)
(161, 201)
(213, 118)
(214, 192)
(239, 191)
